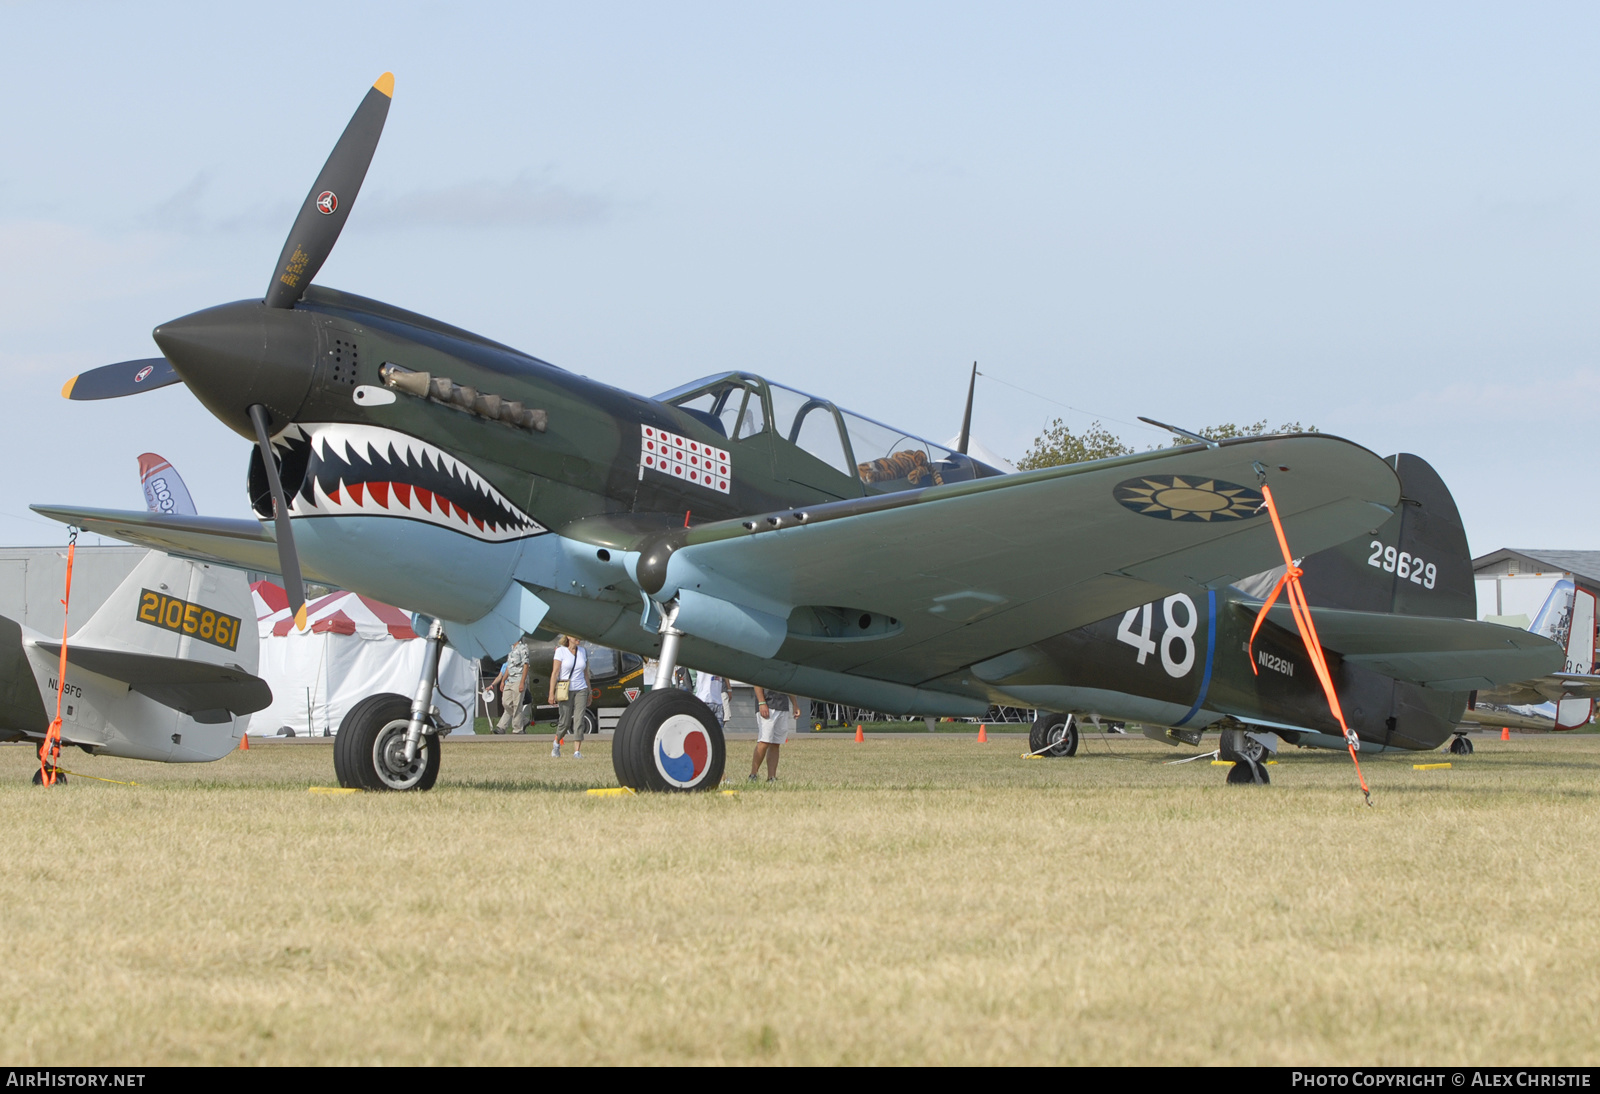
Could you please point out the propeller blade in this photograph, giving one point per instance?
(122, 378)
(322, 217)
(288, 560)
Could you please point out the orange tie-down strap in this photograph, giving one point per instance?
(1308, 633)
(50, 747)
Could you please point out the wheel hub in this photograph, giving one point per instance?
(389, 756)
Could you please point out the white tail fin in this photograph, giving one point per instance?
(1572, 713)
(164, 669)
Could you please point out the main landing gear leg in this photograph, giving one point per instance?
(422, 702)
(1249, 756)
(667, 740)
(1461, 745)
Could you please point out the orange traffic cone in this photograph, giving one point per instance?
(244, 742)
(983, 734)
(1505, 733)
(859, 735)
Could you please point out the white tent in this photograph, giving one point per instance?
(353, 647)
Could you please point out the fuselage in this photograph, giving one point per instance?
(453, 475)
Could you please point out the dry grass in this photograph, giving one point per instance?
(908, 900)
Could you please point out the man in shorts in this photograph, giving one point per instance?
(515, 676)
(775, 713)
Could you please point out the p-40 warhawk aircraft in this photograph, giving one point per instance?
(744, 528)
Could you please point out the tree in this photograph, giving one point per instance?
(1058, 445)
(1227, 431)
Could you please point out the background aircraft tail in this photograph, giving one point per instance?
(163, 670)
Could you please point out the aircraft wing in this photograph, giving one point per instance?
(964, 571)
(241, 544)
(1449, 654)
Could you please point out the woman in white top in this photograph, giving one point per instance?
(570, 668)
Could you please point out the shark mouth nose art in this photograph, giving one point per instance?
(347, 469)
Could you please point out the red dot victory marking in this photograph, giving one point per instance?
(684, 458)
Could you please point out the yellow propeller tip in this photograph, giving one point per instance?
(66, 388)
(300, 618)
(385, 84)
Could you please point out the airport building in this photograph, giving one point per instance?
(1514, 584)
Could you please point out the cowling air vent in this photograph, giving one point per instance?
(343, 358)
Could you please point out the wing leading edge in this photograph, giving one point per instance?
(240, 544)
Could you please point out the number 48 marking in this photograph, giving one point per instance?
(1176, 634)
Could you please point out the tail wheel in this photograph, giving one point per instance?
(1054, 735)
(668, 741)
(369, 752)
(1248, 773)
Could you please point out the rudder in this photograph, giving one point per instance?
(1415, 563)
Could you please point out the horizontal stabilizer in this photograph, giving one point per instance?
(1543, 689)
(1448, 654)
(241, 544)
(208, 693)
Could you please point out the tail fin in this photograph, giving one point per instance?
(1416, 563)
(165, 668)
(1568, 617)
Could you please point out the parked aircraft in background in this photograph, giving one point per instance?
(163, 670)
(749, 529)
(1561, 700)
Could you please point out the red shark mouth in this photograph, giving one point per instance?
(349, 469)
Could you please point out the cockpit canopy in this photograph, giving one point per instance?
(743, 407)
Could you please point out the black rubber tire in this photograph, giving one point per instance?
(591, 722)
(1046, 727)
(1247, 773)
(355, 748)
(1460, 746)
(621, 753)
(633, 746)
(38, 777)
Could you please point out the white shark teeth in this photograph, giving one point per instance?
(403, 456)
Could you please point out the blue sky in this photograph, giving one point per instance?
(1378, 218)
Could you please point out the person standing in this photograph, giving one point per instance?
(515, 677)
(709, 690)
(569, 691)
(775, 713)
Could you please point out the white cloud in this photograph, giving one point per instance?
(525, 201)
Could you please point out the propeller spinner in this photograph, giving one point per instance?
(249, 362)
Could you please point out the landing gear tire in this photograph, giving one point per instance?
(1248, 773)
(38, 777)
(591, 722)
(1054, 735)
(370, 751)
(667, 741)
(1461, 745)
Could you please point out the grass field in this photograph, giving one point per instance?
(906, 900)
